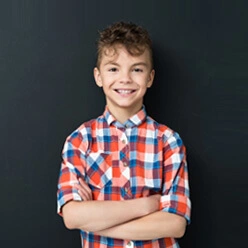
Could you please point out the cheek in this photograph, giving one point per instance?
(108, 79)
(144, 81)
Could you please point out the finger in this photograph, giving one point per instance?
(84, 184)
(84, 194)
(85, 188)
(85, 197)
(145, 193)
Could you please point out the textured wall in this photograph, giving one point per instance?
(47, 55)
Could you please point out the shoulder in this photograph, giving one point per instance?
(82, 136)
(164, 132)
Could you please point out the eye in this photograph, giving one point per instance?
(137, 70)
(113, 69)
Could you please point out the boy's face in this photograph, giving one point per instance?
(124, 79)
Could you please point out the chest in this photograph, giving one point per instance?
(125, 159)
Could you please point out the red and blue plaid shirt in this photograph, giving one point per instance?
(126, 161)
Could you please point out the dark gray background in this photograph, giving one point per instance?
(47, 55)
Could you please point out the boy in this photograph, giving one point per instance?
(123, 180)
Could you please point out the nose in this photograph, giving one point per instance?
(125, 77)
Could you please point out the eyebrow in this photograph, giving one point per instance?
(111, 63)
(135, 64)
(140, 63)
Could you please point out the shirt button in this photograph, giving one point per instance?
(129, 244)
(125, 164)
(123, 141)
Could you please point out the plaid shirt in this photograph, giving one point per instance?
(126, 161)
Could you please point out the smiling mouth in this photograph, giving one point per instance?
(124, 91)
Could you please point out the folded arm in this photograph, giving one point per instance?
(137, 219)
(153, 226)
(95, 216)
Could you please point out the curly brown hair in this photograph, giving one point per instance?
(133, 37)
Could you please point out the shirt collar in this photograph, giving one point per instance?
(135, 120)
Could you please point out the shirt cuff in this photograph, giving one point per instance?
(66, 195)
(176, 204)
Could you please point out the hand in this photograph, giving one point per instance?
(153, 203)
(84, 190)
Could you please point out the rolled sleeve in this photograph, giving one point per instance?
(176, 204)
(175, 194)
(66, 190)
(72, 168)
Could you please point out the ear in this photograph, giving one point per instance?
(97, 76)
(150, 78)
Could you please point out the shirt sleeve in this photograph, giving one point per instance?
(72, 168)
(175, 193)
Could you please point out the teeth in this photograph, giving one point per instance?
(124, 91)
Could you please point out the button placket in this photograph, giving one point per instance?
(124, 139)
(124, 150)
(124, 163)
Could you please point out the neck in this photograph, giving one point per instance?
(123, 114)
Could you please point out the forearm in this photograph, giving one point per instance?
(153, 226)
(99, 215)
